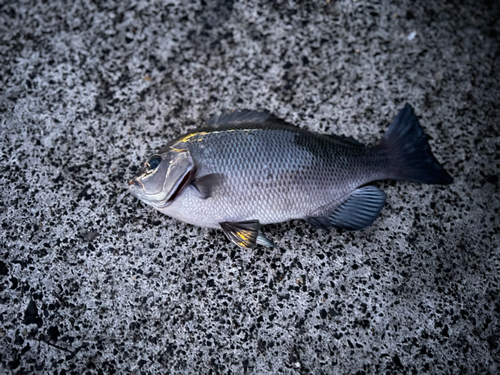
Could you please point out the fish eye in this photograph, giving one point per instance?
(153, 162)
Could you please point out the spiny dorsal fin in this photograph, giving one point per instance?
(239, 117)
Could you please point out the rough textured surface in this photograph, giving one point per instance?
(93, 281)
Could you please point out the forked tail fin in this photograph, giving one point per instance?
(410, 155)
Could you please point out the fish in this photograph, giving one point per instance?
(245, 169)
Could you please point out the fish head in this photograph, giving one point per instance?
(163, 177)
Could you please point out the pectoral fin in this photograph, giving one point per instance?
(245, 234)
(207, 184)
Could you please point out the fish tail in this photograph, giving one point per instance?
(410, 156)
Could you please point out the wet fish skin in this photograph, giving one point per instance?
(251, 168)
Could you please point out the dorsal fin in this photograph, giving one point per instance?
(239, 117)
(345, 139)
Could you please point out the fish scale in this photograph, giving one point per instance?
(303, 182)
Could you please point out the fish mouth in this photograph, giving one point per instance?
(135, 184)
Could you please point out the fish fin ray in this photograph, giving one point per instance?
(360, 210)
(344, 139)
(239, 117)
(207, 184)
(243, 233)
(319, 222)
(409, 151)
(264, 241)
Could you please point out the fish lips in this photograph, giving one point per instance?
(160, 187)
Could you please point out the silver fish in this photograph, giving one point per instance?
(246, 169)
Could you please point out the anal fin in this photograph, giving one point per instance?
(359, 211)
(319, 222)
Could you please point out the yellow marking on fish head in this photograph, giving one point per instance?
(178, 149)
(188, 138)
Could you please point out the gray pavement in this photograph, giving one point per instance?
(93, 281)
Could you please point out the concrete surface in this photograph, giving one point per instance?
(92, 281)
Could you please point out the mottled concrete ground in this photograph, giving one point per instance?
(92, 281)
